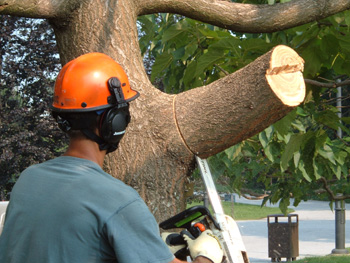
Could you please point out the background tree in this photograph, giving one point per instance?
(153, 157)
(29, 57)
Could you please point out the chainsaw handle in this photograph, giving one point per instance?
(175, 239)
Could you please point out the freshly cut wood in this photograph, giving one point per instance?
(251, 99)
(285, 75)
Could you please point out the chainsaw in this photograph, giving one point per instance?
(198, 219)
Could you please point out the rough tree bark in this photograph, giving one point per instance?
(156, 155)
(267, 88)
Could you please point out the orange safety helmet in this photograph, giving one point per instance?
(82, 84)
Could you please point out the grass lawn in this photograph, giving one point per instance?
(246, 212)
(325, 259)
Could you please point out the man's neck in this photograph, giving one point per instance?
(85, 149)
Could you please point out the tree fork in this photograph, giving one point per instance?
(263, 92)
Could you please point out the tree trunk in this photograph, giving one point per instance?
(151, 157)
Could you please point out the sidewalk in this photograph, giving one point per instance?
(316, 231)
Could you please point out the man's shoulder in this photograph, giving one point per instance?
(79, 172)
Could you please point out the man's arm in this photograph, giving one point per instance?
(197, 260)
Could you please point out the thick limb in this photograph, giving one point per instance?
(247, 18)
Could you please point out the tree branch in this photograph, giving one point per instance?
(251, 195)
(247, 18)
(222, 70)
(213, 117)
(331, 85)
(331, 193)
(38, 8)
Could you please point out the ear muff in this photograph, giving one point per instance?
(113, 124)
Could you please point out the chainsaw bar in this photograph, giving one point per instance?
(229, 234)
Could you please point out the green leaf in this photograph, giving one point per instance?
(162, 62)
(301, 168)
(347, 18)
(338, 18)
(328, 118)
(292, 147)
(344, 44)
(263, 139)
(283, 125)
(299, 125)
(340, 157)
(317, 169)
(327, 153)
(228, 43)
(269, 132)
(296, 157)
(329, 45)
(321, 139)
(179, 53)
(208, 59)
(272, 151)
(313, 59)
(255, 45)
(190, 50)
(346, 120)
(308, 151)
(337, 171)
(283, 205)
(172, 32)
(301, 112)
(233, 151)
(208, 33)
(266, 136)
(189, 73)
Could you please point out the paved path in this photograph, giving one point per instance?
(316, 231)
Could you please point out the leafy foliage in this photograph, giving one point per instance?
(299, 157)
(189, 54)
(29, 65)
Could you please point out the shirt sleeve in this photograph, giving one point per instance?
(134, 235)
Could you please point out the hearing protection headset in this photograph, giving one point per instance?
(89, 86)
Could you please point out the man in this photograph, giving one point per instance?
(68, 209)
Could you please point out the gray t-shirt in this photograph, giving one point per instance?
(68, 210)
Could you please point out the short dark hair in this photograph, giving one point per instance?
(74, 122)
